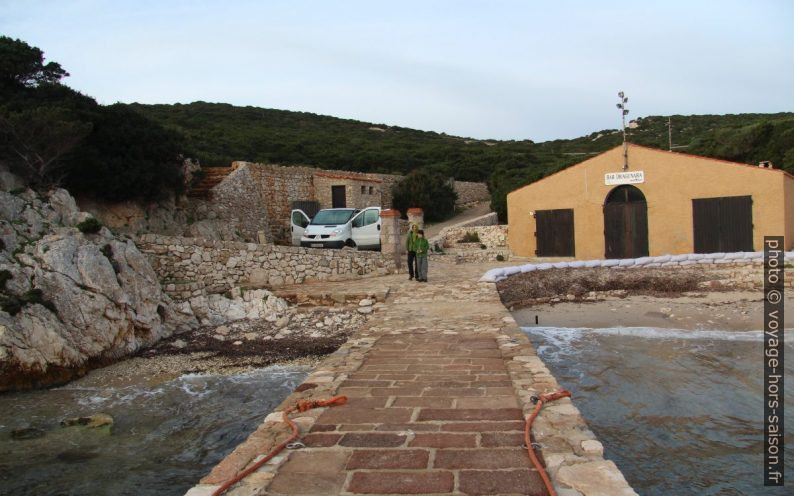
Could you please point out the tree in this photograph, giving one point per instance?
(127, 156)
(428, 190)
(22, 65)
(34, 141)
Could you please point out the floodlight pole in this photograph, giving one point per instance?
(623, 112)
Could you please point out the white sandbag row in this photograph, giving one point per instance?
(495, 275)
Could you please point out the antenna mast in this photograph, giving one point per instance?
(670, 132)
(623, 113)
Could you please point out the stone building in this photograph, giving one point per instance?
(662, 203)
(259, 197)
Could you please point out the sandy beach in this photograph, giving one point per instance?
(730, 310)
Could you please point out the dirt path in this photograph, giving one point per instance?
(468, 214)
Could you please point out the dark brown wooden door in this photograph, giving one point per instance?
(554, 233)
(338, 197)
(723, 224)
(625, 223)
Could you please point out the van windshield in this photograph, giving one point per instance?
(333, 217)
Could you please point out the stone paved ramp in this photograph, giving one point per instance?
(439, 387)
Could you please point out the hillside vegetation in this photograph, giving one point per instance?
(217, 134)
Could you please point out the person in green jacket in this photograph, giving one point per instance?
(422, 247)
(410, 247)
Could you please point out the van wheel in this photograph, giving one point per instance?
(350, 243)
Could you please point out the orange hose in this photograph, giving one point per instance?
(301, 406)
(543, 398)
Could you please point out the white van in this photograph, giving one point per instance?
(337, 227)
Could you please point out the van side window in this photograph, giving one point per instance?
(299, 220)
(371, 216)
(358, 221)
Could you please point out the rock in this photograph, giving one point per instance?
(76, 456)
(596, 478)
(222, 330)
(27, 433)
(92, 421)
(364, 310)
(219, 337)
(366, 302)
(237, 343)
(592, 447)
(179, 344)
(281, 322)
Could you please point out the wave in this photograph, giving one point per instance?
(557, 333)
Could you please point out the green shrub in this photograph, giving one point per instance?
(89, 226)
(470, 237)
(483, 247)
(428, 190)
(36, 296)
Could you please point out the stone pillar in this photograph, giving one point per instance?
(391, 246)
(416, 216)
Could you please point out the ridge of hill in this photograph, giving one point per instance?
(217, 134)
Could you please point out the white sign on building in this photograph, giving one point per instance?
(629, 177)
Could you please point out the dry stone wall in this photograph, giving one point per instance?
(470, 193)
(490, 236)
(190, 266)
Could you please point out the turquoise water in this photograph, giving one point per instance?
(164, 439)
(680, 412)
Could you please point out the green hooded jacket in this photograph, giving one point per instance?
(422, 246)
(410, 240)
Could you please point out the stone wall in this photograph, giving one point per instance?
(490, 236)
(469, 193)
(238, 210)
(278, 187)
(191, 266)
(361, 191)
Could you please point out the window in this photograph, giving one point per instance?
(299, 219)
(371, 216)
(363, 190)
(370, 190)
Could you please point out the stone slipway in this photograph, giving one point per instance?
(439, 386)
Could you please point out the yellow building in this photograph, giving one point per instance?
(663, 203)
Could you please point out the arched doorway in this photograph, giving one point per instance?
(625, 223)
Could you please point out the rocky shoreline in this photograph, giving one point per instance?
(301, 336)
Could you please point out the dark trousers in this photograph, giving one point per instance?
(413, 270)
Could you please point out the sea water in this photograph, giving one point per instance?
(164, 438)
(680, 412)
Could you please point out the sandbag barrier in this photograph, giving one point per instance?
(498, 274)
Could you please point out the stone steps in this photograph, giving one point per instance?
(212, 177)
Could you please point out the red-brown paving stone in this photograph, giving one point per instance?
(356, 427)
(372, 440)
(454, 392)
(502, 439)
(397, 377)
(403, 391)
(444, 441)
(481, 459)
(388, 459)
(306, 484)
(320, 440)
(430, 414)
(364, 416)
(407, 427)
(416, 401)
(488, 402)
(366, 403)
(315, 461)
(354, 392)
(416, 482)
(363, 383)
(526, 482)
(482, 426)
(322, 428)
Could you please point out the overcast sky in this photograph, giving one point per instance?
(486, 69)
